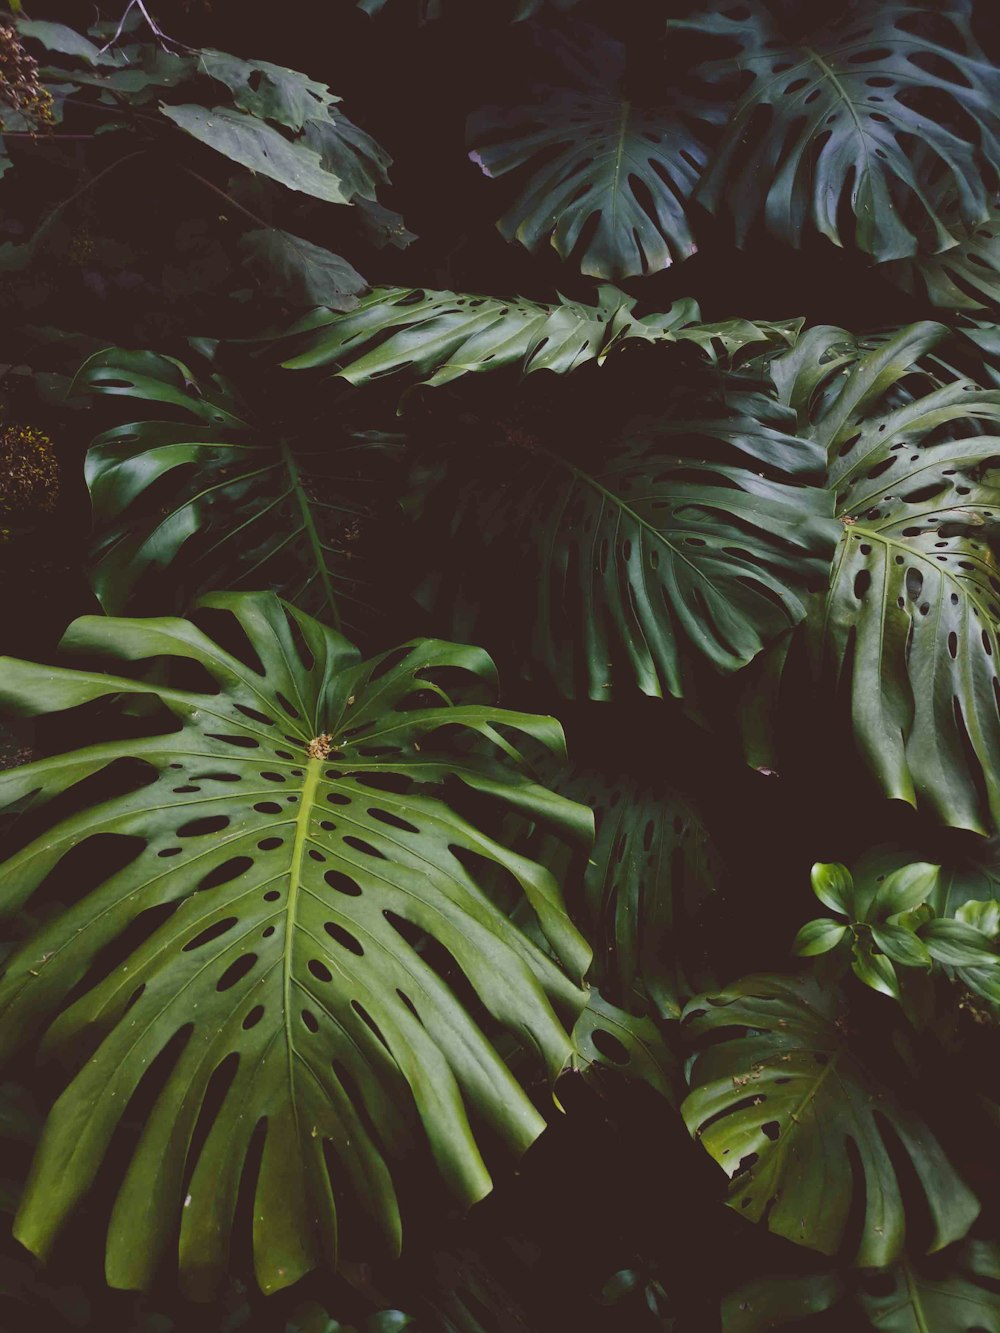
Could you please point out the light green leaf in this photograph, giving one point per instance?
(819, 936)
(901, 945)
(981, 916)
(290, 852)
(440, 336)
(958, 945)
(905, 889)
(833, 885)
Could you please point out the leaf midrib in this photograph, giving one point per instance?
(306, 801)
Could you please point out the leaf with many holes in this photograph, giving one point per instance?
(641, 561)
(304, 933)
(842, 122)
(603, 181)
(910, 624)
(218, 499)
(645, 891)
(781, 1100)
(441, 336)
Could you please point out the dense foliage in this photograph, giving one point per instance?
(499, 778)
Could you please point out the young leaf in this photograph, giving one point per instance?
(905, 889)
(819, 936)
(833, 885)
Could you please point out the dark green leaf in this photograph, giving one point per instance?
(778, 1100)
(300, 273)
(843, 119)
(603, 180)
(254, 144)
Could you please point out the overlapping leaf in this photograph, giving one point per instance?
(215, 498)
(781, 1101)
(642, 898)
(646, 561)
(602, 180)
(442, 335)
(912, 617)
(296, 888)
(844, 119)
(937, 1294)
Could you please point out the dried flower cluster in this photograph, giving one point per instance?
(19, 86)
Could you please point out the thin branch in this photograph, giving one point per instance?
(228, 198)
(162, 36)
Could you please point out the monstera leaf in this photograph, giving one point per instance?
(443, 335)
(845, 120)
(641, 561)
(277, 956)
(603, 180)
(910, 624)
(645, 891)
(781, 1100)
(964, 277)
(220, 498)
(953, 1292)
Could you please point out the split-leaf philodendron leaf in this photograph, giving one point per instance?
(296, 883)
(784, 1103)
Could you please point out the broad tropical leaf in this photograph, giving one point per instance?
(639, 562)
(964, 277)
(260, 147)
(296, 892)
(643, 897)
(953, 1292)
(845, 119)
(630, 1044)
(602, 180)
(218, 498)
(781, 1101)
(441, 336)
(911, 621)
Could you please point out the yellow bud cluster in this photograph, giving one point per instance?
(29, 470)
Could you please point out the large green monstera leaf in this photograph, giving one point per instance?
(603, 180)
(440, 336)
(643, 560)
(782, 1102)
(910, 624)
(851, 119)
(209, 496)
(284, 962)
